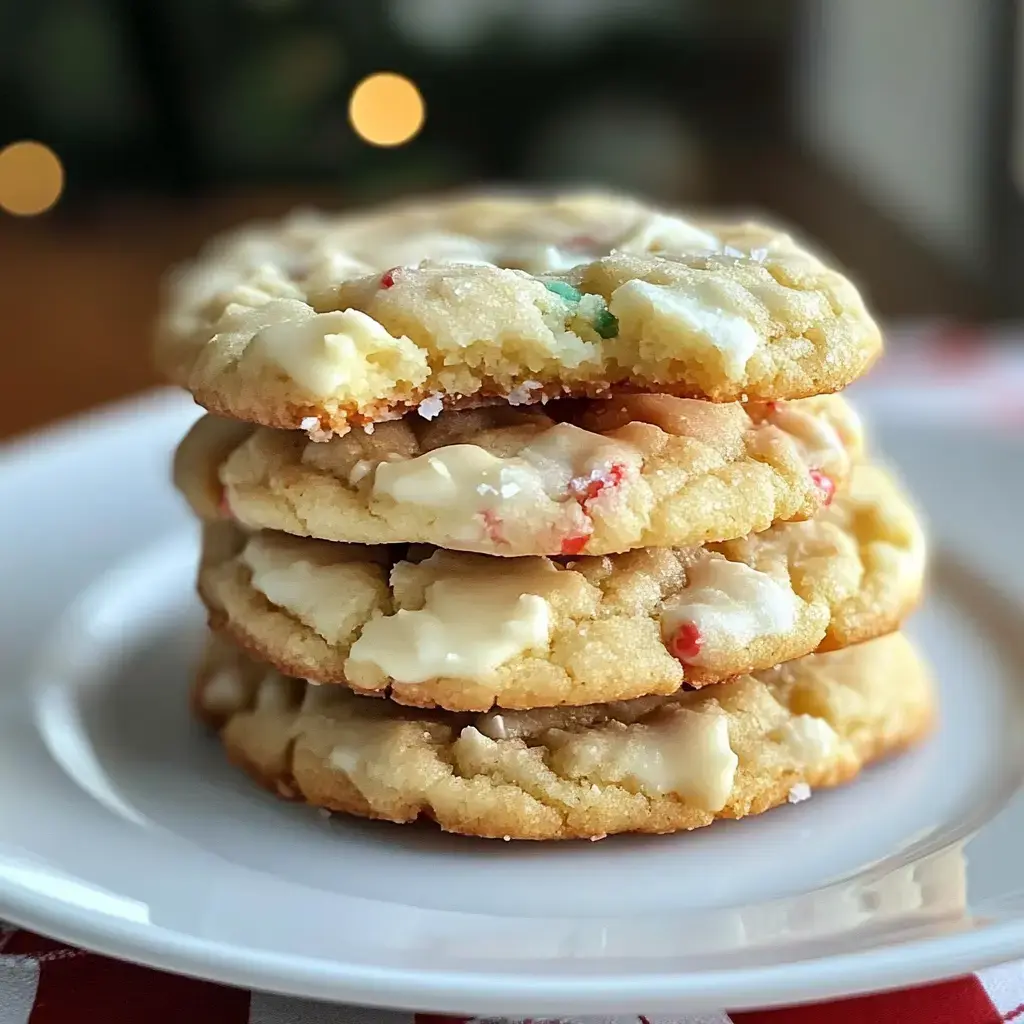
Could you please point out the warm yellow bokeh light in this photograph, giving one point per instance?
(31, 178)
(386, 109)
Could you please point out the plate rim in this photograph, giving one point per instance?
(884, 968)
(894, 965)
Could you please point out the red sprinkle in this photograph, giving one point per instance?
(223, 507)
(575, 543)
(492, 524)
(387, 279)
(589, 489)
(825, 484)
(580, 242)
(686, 643)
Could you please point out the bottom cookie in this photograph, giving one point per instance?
(654, 764)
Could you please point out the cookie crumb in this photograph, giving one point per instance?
(521, 395)
(507, 839)
(430, 407)
(314, 431)
(799, 793)
(596, 839)
(323, 812)
(368, 428)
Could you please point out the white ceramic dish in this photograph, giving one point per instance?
(122, 829)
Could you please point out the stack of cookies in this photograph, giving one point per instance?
(540, 518)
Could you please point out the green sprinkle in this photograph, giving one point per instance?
(606, 323)
(563, 290)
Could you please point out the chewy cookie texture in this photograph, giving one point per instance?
(572, 478)
(539, 517)
(657, 764)
(466, 632)
(322, 323)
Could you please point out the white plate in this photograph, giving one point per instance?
(136, 839)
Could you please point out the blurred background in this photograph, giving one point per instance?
(130, 130)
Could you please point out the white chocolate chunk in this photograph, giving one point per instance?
(470, 476)
(662, 233)
(346, 759)
(816, 439)
(330, 266)
(811, 740)
(458, 475)
(540, 258)
(658, 313)
(465, 629)
(225, 692)
(686, 752)
(550, 485)
(731, 604)
(566, 453)
(329, 594)
(342, 352)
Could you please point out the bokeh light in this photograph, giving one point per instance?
(31, 178)
(386, 109)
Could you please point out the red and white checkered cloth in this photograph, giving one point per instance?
(929, 372)
(46, 982)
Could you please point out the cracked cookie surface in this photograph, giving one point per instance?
(657, 764)
(592, 477)
(320, 322)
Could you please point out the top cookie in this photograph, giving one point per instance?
(322, 323)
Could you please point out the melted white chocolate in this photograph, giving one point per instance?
(565, 455)
(225, 692)
(468, 625)
(685, 752)
(731, 605)
(458, 475)
(322, 590)
(818, 442)
(811, 740)
(326, 352)
(541, 258)
(661, 311)
(661, 232)
(550, 484)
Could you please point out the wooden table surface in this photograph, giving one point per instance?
(78, 296)
(78, 292)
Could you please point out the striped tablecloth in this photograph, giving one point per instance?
(929, 371)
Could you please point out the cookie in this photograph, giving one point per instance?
(465, 632)
(656, 764)
(595, 478)
(321, 323)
